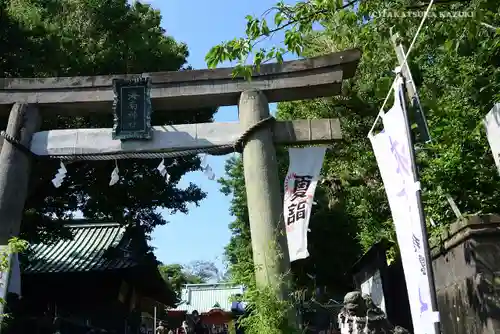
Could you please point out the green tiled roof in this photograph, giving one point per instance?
(85, 252)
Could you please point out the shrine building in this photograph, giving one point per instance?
(103, 278)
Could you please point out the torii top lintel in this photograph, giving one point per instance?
(292, 80)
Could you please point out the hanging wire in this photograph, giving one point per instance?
(381, 111)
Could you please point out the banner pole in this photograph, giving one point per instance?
(423, 225)
(414, 99)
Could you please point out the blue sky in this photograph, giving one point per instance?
(203, 232)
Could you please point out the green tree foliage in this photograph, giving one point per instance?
(455, 66)
(196, 272)
(95, 37)
(207, 271)
(239, 249)
(296, 20)
(177, 276)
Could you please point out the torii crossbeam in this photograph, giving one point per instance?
(292, 80)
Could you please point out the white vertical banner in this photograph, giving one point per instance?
(15, 276)
(300, 185)
(4, 276)
(492, 125)
(392, 151)
(10, 277)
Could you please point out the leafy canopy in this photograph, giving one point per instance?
(95, 37)
(196, 272)
(455, 67)
(295, 20)
(177, 276)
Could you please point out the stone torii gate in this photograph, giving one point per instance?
(28, 100)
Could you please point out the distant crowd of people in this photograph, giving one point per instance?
(192, 325)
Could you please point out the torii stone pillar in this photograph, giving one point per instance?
(265, 205)
(24, 121)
